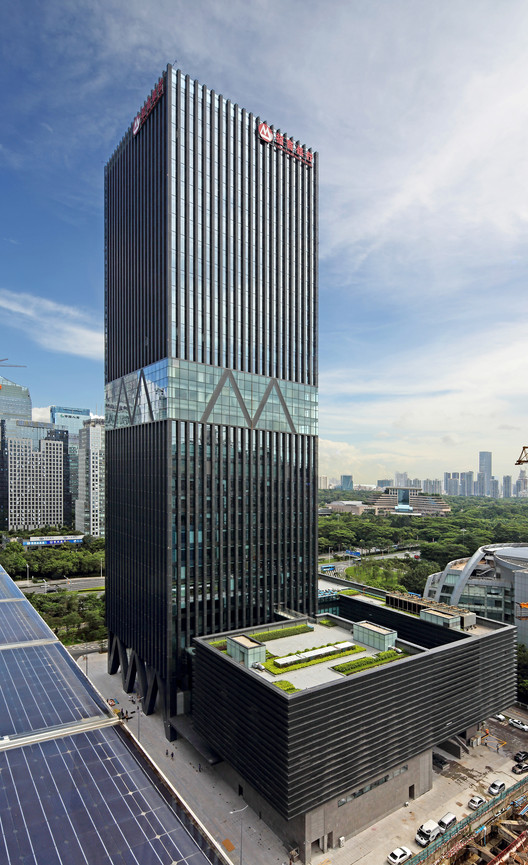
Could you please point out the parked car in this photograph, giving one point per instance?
(475, 802)
(520, 768)
(519, 725)
(257, 666)
(521, 756)
(400, 855)
(496, 787)
(499, 717)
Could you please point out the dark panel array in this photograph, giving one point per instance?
(8, 589)
(137, 540)
(41, 687)
(136, 211)
(86, 798)
(20, 623)
(303, 750)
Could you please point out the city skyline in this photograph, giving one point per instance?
(423, 224)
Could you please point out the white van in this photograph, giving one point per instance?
(446, 822)
(427, 833)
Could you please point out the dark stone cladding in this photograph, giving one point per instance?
(301, 750)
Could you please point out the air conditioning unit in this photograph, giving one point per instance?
(341, 840)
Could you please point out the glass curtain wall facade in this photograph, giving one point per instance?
(211, 380)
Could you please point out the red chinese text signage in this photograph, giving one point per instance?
(153, 100)
(282, 142)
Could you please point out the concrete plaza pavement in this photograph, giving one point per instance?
(212, 799)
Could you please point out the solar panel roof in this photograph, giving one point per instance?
(87, 799)
(41, 686)
(8, 589)
(20, 623)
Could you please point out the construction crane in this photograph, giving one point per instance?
(3, 363)
(523, 457)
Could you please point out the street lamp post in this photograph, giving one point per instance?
(101, 559)
(139, 702)
(27, 573)
(239, 811)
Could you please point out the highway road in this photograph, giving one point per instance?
(74, 584)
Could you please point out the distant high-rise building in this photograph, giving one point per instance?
(485, 469)
(507, 487)
(494, 489)
(480, 484)
(323, 482)
(385, 482)
(466, 483)
(447, 478)
(521, 484)
(401, 479)
(15, 401)
(90, 504)
(347, 482)
(453, 485)
(34, 475)
(432, 487)
(211, 381)
(71, 419)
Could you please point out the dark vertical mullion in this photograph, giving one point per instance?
(222, 300)
(315, 277)
(187, 287)
(196, 351)
(249, 141)
(230, 298)
(214, 234)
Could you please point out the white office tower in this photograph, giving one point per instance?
(90, 505)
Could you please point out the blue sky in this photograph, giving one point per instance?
(419, 111)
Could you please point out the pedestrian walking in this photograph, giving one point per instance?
(199, 767)
(172, 755)
(166, 752)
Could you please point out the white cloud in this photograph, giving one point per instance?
(41, 414)
(54, 326)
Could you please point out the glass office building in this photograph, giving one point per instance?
(211, 381)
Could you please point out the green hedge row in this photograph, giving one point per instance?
(277, 633)
(364, 663)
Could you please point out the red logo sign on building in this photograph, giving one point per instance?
(265, 132)
(152, 100)
(287, 145)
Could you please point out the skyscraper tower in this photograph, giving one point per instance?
(211, 381)
(485, 469)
